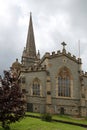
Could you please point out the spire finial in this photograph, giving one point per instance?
(38, 55)
(16, 59)
(30, 13)
(38, 52)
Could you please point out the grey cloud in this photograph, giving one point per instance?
(13, 34)
(9, 37)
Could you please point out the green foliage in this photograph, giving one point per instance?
(46, 117)
(6, 127)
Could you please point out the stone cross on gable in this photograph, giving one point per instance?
(63, 44)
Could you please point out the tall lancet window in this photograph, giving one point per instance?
(64, 83)
(36, 87)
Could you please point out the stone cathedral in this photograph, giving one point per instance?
(54, 83)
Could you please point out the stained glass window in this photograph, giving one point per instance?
(64, 83)
(36, 88)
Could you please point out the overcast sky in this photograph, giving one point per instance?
(54, 21)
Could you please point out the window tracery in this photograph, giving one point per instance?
(36, 87)
(64, 83)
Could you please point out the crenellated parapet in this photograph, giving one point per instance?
(34, 68)
(61, 53)
(83, 74)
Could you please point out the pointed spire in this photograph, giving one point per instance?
(38, 55)
(30, 44)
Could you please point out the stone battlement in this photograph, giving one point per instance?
(85, 74)
(82, 73)
(34, 68)
(59, 53)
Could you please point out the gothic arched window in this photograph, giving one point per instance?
(64, 83)
(36, 87)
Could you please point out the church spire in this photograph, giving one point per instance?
(29, 54)
(30, 43)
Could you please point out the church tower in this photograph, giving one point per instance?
(29, 53)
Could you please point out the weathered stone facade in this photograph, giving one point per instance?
(55, 83)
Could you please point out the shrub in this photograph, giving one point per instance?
(7, 127)
(46, 117)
